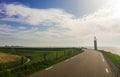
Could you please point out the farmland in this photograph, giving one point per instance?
(40, 58)
(6, 58)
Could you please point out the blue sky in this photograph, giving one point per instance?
(59, 22)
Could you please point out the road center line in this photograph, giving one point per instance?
(106, 70)
(49, 68)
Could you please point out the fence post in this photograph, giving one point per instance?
(22, 60)
(64, 53)
(56, 54)
(44, 56)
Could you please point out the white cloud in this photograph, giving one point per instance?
(64, 28)
(6, 28)
(22, 27)
(34, 16)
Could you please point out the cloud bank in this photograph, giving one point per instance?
(62, 28)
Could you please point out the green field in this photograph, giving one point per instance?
(40, 58)
(114, 58)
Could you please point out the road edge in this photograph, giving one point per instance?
(114, 69)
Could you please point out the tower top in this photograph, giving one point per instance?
(95, 38)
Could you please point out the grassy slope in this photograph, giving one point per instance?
(114, 58)
(6, 58)
(8, 61)
(36, 54)
(37, 58)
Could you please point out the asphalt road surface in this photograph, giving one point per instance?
(87, 64)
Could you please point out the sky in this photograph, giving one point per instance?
(60, 23)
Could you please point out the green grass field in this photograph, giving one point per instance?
(114, 58)
(40, 58)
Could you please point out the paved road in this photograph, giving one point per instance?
(87, 64)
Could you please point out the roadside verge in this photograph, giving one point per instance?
(112, 60)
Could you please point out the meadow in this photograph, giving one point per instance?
(39, 58)
(8, 61)
(6, 58)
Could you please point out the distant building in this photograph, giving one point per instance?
(95, 43)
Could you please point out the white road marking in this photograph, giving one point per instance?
(102, 58)
(106, 70)
(73, 57)
(67, 60)
(49, 68)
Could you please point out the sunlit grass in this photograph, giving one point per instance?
(6, 58)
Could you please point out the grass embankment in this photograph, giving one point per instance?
(114, 58)
(8, 61)
(6, 58)
(40, 59)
